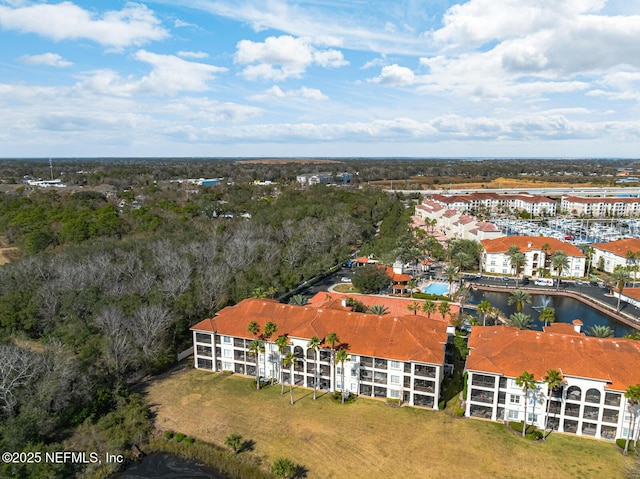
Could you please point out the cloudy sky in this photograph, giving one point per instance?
(320, 78)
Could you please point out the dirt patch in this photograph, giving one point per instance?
(8, 254)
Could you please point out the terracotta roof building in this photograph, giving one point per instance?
(391, 356)
(596, 373)
(617, 254)
(489, 202)
(600, 207)
(537, 251)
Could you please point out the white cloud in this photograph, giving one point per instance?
(394, 75)
(277, 92)
(197, 55)
(48, 59)
(278, 58)
(168, 76)
(135, 24)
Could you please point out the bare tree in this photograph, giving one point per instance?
(148, 326)
(18, 368)
(118, 348)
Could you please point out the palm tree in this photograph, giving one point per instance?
(461, 260)
(429, 307)
(553, 379)
(342, 356)
(282, 342)
(411, 285)
(332, 339)
(518, 260)
(547, 315)
(414, 306)
(314, 345)
(589, 252)
(484, 308)
(253, 328)
(298, 300)
(450, 272)
(444, 309)
(462, 296)
(378, 309)
(269, 330)
(526, 381)
(560, 261)
(600, 331)
(290, 360)
(519, 320)
(519, 298)
(620, 277)
(255, 348)
(513, 249)
(633, 395)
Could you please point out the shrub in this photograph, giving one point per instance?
(180, 437)
(459, 412)
(442, 404)
(168, 435)
(283, 468)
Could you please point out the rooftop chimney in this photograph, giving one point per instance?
(577, 325)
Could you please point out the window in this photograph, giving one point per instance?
(395, 364)
(227, 366)
(394, 394)
(227, 353)
(354, 372)
(338, 370)
(395, 379)
(354, 387)
(532, 418)
(513, 415)
(513, 399)
(226, 339)
(338, 385)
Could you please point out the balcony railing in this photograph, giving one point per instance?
(570, 426)
(612, 399)
(239, 356)
(610, 416)
(366, 361)
(366, 376)
(482, 396)
(425, 371)
(572, 411)
(590, 415)
(483, 382)
(424, 401)
(380, 364)
(592, 398)
(380, 378)
(366, 390)
(238, 343)
(379, 392)
(589, 429)
(407, 382)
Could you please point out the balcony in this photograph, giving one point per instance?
(483, 381)
(611, 399)
(251, 370)
(203, 351)
(608, 432)
(609, 415)
(480, 411)
(239, 356)
(366, 376)
(380, 363)
(425, 371)
(593, 397)
(325, 356)
(503, 383)
(555, 407)
(366, 390)
(590, 413)
(379, 392)
(299, 367)
(238, 343)
(203, 338)
(589, 429)
(407, 382)
(570, 426)
(380, 378)
(572, 410)
(482, 396)
(238, 368)
(424, 401)
(407, 368)
(423, 386)
(366, 361)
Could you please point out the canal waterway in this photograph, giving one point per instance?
(566, 309)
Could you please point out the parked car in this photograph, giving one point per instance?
(544, 282)
(344, 279)
(505, 278)
(525, 280)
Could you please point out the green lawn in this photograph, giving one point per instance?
(367, 439)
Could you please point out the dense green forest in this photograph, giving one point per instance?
(108, 286)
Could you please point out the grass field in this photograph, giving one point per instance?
(367, 439)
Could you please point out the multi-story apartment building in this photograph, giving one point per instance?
(616, 254)
(596, 374)
(537, 251)
(315, 178)
(600, 207)
(399, 356)
(491, 202)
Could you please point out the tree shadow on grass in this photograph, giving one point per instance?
(248, 445)
(300, 472)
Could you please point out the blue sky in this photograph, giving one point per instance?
(279, 78)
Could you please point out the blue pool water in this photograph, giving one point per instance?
(436, 288)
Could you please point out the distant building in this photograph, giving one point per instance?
(600, 207)
(495, 259)
(493, 202)
(46, 183)
(343, 177)
(596, 373)
(314, 178)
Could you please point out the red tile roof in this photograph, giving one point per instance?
(620, 247)
(596, 200)
(510, 351)
(633, 293)
(404, 338)
(528, 243)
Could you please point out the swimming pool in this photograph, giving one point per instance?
(436, 288)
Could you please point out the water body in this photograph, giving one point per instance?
(567, 309)
(166, 466)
